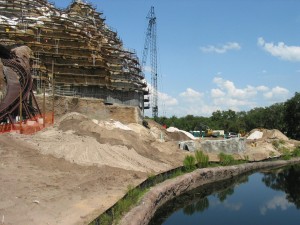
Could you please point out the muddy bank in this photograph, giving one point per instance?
(169, 189)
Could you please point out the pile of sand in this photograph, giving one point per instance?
(174, 129)
(84, 141)
(256, 134)
(85, 150)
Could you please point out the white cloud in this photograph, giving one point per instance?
(191, 94)
(147, 69)
(262, 88)
(274, 203)
(167, 99)
(281, 50)
(231, 91)
(224, 95)
(277, 94)
(217, 93)
(221, 49)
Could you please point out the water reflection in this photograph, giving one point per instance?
(196, 201)
(268, 197)
(277, 202)
(286, 180)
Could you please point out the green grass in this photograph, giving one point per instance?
(125, 204)
(296, 152)
(226, 160)
(286, 154)
(201, 159)
(189, 163)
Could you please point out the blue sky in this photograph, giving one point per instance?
(215, 54)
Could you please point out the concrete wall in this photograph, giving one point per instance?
(232, 145)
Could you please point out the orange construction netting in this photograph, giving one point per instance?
(29, 126)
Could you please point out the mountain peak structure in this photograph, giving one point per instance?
(74, 46)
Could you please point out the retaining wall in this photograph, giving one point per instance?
(160, 194)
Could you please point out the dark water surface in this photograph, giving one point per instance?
(262, 198)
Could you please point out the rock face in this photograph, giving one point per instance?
(228, 146)
(160, 194)
(85, 56)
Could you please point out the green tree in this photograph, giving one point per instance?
(292, 116)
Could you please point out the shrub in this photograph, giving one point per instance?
(296, 152)
(189, 163)
(105, 219)
(201, 159)
(124, 205)
(225, 159)
(286, 155)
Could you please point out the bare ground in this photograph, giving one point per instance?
(72, 172)
(42, 189)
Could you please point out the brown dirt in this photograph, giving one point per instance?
(42, 189)
(74, 171)
(70, 173)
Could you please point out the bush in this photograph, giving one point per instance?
(105, 219)
(189, 163)
(124, 205)
(201, 159)
(286, 155)
(225, 159)
(296, 152)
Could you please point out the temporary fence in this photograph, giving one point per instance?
(29, 126)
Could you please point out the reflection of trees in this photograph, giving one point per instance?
(199, 206)
(196, 201)
(287, 180)
(224, 194)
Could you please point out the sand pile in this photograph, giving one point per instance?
(174, 129)
(83, 141)
(256, 134)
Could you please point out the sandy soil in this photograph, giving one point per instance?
(42, 189)
(70, 173)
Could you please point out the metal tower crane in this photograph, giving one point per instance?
(150, 42)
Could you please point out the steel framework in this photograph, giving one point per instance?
(150, 42)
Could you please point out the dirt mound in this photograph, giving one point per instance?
(274, 134)
(178, 136)
(266, 134)
(84, 141)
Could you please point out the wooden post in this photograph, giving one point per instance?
(53, 91)
(44, 106)
(21, 111)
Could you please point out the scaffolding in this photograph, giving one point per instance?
(89, 56)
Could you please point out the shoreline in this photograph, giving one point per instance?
(169, 189)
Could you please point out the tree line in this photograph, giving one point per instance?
(282, 116)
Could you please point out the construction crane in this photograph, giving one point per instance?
(150, 42)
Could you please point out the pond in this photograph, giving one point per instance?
(266, 197)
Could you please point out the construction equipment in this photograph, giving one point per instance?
(19, 98)
(150, 42)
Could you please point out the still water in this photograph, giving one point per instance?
(266, 197)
